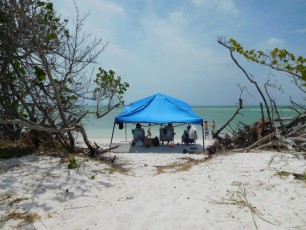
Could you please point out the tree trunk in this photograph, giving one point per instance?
(215, 135)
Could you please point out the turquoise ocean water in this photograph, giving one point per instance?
(102, 128)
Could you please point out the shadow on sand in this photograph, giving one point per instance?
(177, 148)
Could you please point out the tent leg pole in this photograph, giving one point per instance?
(203, 137)
(125, 132)
(110, 145)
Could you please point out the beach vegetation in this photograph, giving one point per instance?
(117, 168)
(109, 170)
(297, 176)
(278, 59)
(9, 149)
(185, 164)
(93, 177)
(10, 152)
(282, 174)
(18, 200)
(241, 198)
(24, 216)
(272, 159)
(4, 197)
(300, 176)
(270, 131)
(73, 164)
(48, 73)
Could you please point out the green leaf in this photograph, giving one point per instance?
(52, 36)
(73, 97)
(40, 73)
(22, 70)
(49, 6)
(73, 164)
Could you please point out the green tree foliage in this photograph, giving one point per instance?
(110, 86)
(44, 70)
(269, 132)
(278, 59)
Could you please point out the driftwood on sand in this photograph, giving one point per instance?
(263, 135)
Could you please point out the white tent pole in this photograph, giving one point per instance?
(125, 132)
(203, 137)
(110, 145)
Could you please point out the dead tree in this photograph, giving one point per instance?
(264, 133)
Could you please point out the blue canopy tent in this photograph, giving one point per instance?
(158, 109)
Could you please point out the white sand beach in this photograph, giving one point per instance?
(156, 191)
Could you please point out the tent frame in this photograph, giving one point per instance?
(203, 142)
(174, 111)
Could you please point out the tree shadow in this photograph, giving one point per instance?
(28, 182)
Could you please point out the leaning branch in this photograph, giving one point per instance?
(77, 128)
(249, 77)
(230, 119)
(37, 127)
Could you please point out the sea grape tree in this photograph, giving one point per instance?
(46, 73)
(290, 134)
(277, 59)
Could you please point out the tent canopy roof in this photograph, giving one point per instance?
(158, 109)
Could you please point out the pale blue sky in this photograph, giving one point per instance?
(170, 46)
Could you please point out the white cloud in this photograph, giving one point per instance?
(158, 46)
(105, 7)
(178, 18)
(164, 33)
(225, 6)
(301, 30)
(274, 41)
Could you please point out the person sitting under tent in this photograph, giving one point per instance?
(166, 133)
(190, 135)
(138, 134)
